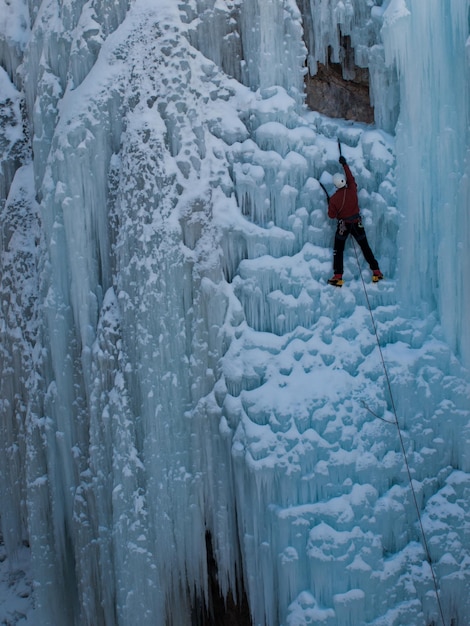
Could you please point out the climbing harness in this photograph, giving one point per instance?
(341, 225)
(402, 444)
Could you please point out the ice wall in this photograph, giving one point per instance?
(174, 366)
(326, 25)
(277, 42)
(14, 34)
(119, 440)
(305, 403)
(19, 238)
(259, 43)
(433, 156)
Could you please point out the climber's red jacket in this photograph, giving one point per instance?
(343, 204)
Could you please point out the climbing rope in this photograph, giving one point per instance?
(389, 386)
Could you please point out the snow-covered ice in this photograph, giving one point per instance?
(16, 593)
(175, 368)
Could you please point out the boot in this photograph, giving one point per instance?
(376, 276)
(336, 280)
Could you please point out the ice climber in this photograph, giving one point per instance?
(344, 207)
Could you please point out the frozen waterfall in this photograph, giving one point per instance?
(189, 413)
(433, 156)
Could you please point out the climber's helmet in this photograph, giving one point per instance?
(339, 180)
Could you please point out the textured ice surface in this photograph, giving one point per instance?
(172, 360)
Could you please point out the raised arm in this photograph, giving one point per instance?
(350, 180)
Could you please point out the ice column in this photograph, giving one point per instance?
(259, 42)
(427, 42)
(274, 52)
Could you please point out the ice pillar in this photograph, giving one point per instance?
(428, 42)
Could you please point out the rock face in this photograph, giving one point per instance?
(329, 93)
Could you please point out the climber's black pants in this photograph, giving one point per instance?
(356, 229)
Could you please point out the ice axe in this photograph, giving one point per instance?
(339, 148)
